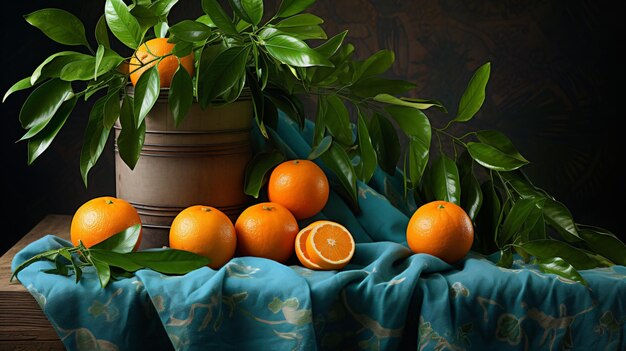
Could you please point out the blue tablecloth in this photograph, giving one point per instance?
(387, 298)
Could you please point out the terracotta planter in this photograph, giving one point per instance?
(202, 162)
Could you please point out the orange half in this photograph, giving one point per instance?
(303, 256)
(330, 245)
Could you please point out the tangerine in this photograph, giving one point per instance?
(205, 231)
(98, 219)
(299, 185)
(147, 55)
(266, 230)
(442, 229)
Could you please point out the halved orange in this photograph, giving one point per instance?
(303, 256)
(329, 245)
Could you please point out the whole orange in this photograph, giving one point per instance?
(299, 185)
(266, 230)
(441, 229)
(147, 56)
(100, 218)
(205, 231)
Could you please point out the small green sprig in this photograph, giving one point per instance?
(114, 258)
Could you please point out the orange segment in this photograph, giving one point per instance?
(303, 256)
(330, 245)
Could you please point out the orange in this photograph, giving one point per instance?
(100, 218)
(329, 245)
(148, 54)
(299, 185)
(441, 229)
(205, 231)
(266, 230)
(300, 246)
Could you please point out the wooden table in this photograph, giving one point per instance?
(23, 326)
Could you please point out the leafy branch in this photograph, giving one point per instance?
(114, 258)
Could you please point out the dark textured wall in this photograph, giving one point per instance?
(555, 91)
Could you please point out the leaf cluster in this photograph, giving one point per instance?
(114, 258)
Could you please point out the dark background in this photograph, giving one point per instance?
(555, 90)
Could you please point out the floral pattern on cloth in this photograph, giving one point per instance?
(386, 299)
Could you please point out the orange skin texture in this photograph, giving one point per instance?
(100, 218)
(441, 229)
(266, 230)
(205, 231)
(167, 66)
(299, 185)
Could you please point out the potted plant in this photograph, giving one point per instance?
(266, 57)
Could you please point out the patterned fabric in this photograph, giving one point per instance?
(385, 299)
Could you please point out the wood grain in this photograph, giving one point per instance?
(23, 326)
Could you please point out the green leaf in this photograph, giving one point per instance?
(111, 109)
(339, 163)
(500, 142)
(413, 122)
(471, 195)
(99, 55)
(425, 104)
(474, 95)
(54, 64)
(380, 87)
(520, 219)
(191, 31)
(219, 17)
(320, 148)
(506, 258)
(330, 47)
(102, 270)
(367, 164)
(303, 26)
(146, 93)
(115, 259)
(488, 218)
(558, 266)
(445, 180)
(169, 261)
(385, 141)
(96, 136)
(288, 104)
(257, 169)
(181, 95)
(605, 243)
(292, 7)
(84, 69)
(374, 65)
(559, 218)
(46, 255)
(161, 29)
(131, 138)
(42, 104)
(161, 8)
(249, 10)
(19, 85)
(392, 100)
(258, 105)
(337, 119)
(182, 49)
(222, 73)
(40, 142)
(548, 248)
(418, 159)
(102, 33)
(294, 52)
(59, 25)
(122, 242)
(123, 25)
(492, 158)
